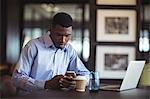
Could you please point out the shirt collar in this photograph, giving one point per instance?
(49, 43)
(47, 40)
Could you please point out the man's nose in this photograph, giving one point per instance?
(63, 38)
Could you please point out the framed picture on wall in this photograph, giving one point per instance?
(116, 2)
(116, 25)
(112, 61)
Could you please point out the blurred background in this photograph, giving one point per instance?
(22, 20)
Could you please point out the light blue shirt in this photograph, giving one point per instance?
(40, 60)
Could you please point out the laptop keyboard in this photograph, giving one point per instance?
(103, 86)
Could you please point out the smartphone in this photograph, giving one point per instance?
(71, 73)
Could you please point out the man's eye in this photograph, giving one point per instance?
(59, 35)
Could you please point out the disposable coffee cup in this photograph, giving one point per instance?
(80, 83)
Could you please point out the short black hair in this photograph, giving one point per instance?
(62, 19)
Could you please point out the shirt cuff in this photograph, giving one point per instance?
(40, 84)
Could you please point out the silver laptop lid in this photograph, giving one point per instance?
(133, 74)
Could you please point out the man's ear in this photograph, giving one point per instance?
(50, 28)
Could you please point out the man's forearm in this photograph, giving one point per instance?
(27, 83)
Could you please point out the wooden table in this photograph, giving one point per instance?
(138, 93)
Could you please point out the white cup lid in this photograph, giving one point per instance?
(80, 78)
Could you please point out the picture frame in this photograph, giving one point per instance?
(112, 61)
(116, 25)
(116, 2)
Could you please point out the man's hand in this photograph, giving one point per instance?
(68, 82)
(71, 73)
(53, 83)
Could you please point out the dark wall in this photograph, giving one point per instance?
(0, 30)
(9, 31)
(145, 2)
(13, 31)
(3, 31)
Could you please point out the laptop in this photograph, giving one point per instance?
(131, 78)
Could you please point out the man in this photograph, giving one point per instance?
(45, 60)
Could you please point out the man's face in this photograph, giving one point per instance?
(60, 35)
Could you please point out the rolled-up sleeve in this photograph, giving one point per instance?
(26, 83)
(77, 65)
